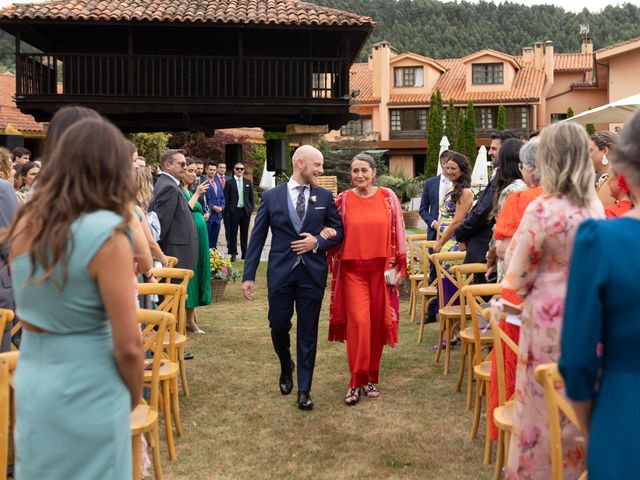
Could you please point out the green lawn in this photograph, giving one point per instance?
(237, 425)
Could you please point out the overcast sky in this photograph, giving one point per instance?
(573, 5)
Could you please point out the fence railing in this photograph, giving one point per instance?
(158, 76)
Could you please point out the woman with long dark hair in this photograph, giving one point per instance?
(81, 359)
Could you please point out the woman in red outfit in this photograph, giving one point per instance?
(365, 270)
(622, 196)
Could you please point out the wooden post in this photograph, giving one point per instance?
(19, 89)
(130, 60)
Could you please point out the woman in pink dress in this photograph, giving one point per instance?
(538, 266)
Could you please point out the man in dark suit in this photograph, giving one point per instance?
(178, 231)
(476, 229)
(434, 189)
(215, 204)
(224, 178)
(238, 198)
(296, 212)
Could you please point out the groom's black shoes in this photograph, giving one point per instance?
(286, 380)
(304, 401)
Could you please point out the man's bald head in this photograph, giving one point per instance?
(307, 164)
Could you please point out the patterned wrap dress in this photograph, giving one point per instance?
(538, 268)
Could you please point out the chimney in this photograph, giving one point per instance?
(538, 56)
(586, 44)
(527, 55)
(548, 60)
(380, 57)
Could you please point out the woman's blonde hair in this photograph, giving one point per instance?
(6, 163)
(564, 163)
(144, 192)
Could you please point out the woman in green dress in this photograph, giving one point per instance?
(199, 289)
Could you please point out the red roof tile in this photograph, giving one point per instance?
(361, 79)
(9, 113)
(619, 44)
(572, 62)
(278, 12)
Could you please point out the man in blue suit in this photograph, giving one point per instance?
(215, 204)
(296, 212)
(434, 189)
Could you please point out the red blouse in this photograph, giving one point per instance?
(366, 227)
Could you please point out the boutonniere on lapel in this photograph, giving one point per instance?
(313, 199)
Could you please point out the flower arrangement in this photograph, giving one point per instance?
(221, 267)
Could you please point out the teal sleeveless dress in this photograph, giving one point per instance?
(72, 406)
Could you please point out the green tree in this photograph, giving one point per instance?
(460, 138)
(450, 122)
(470, 133)
(591, 130)
(151, 145)
(434, 134)
(569, 112)
(502, 118)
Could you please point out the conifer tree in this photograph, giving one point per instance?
(460, 138)
(569, 112)
(450, 123)
(434, 134)
(470, 133)
(502, 118)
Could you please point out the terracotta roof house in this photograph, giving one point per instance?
(12, 120)
(622, 62)
(187, 64)
(536, 88)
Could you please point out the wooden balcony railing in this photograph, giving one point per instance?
(154, 76)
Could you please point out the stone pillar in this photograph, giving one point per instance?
(306, 134)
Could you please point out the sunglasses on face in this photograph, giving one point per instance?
(239, 169)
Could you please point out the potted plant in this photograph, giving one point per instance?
(221, 272)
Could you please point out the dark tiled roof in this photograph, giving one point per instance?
(276, 12)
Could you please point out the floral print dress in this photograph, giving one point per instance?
(538, 268)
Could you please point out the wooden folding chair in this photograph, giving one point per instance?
(6, 317)
(428, 291)
(464, 275)
(416, 275)
(549, 377)
(15, 330)
(173, 261)
(144, 418)
(475, 296)
(503, 413)
(448, 313)
(169, 366)
(8, 363)
(181, 277)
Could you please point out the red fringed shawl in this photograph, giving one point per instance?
(396, 258)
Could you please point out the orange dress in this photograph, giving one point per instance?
(366, 228)
(618, 209)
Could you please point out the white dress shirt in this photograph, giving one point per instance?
(171, 177)
(292, 186)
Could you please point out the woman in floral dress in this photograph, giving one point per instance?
(538, 265)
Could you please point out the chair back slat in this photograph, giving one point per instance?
(414, 261)
(183, 275)
(154, 326)
(499, 336)
(475, 296)
(173, 297)
(441, 273)
(551, 380)
(427, 261)
(6, 317)
(464, 276)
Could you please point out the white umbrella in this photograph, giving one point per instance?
(268, 179)
(480, 175)
(614, 112)
(444, 145)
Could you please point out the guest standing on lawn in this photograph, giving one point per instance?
(199, 288)
(538, 265)
(366, 270)
(81, 358)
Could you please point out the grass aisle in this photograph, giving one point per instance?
(237, 425)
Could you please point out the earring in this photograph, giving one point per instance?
(605, 160)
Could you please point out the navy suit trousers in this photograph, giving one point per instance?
(307, 296)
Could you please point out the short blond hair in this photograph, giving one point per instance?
(565, 164)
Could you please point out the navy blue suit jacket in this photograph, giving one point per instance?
(476, 229)
(274, 213)
(215, 200)
(430, 204)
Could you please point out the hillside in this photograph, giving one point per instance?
(451, 30)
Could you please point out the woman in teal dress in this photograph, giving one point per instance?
(599, 361)
(199, 289)
(81, 361)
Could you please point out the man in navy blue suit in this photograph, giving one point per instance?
(215, 204)
(296, 212)
(434, 189)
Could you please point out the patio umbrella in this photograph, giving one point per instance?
(480, 175)
(444, 145)
(268, 179)
(614, 112)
